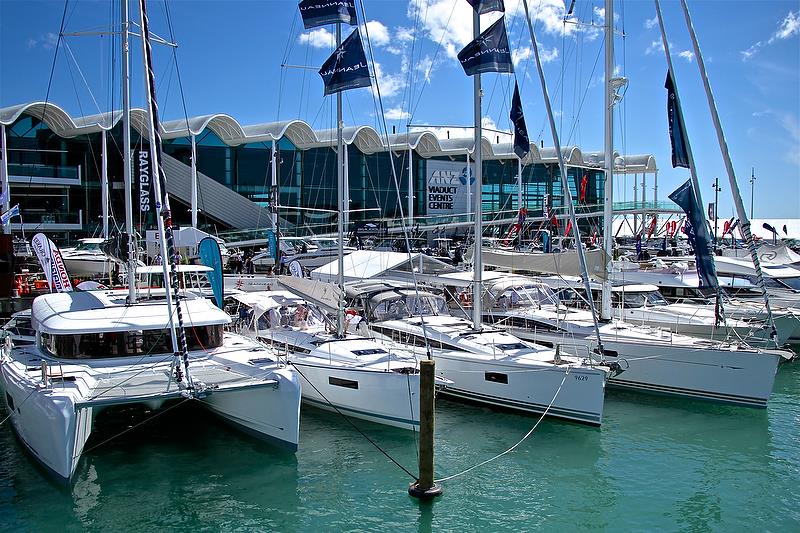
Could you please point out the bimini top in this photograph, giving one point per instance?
(75, 313)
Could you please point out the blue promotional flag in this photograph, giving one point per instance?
(8, 215)
(272, 244)
(210, 256)
(697, 233)
(321, 12)
(487, 6)
(677, 130)
(4, 194)
(489, 52)
(347, 66)
(522, 144)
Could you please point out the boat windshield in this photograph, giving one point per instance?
(128, 343)
(638, 299)
(20, 325)
(404, 306)
(88, 247)
(526, 295)
(792, 283)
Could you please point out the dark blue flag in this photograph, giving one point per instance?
(489, 52)
(321, 12)
(697, 232)
(487, 6)
(522, 145)
(347, 66)
(677, 130)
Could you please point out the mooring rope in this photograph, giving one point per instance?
(349, 421)
(511, 449)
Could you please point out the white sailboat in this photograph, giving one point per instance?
(487, 365)
(341, 371)
(95, 350)
(654, 359)
(347, 373)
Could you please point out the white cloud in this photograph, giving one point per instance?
(548, 55)
(687, 55)
(521, 54)
(378, 33)
(318, 38)
(424, 65)
(788, 27)
(403, 34)
(651, 23)
(750, 52)
(390, 84)
(47, 41)
(654, 48)
(450, 21)
(395, 113)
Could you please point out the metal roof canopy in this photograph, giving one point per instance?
(368, 140)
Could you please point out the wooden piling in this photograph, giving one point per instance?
(425, 487)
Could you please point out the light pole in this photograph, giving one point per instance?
(717, 188)
(752, 189)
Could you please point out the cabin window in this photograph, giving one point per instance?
(10, 401)
(346, 383)
(20, 326)
(128, 343)
(496, 377)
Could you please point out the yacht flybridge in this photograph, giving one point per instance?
(93, 352)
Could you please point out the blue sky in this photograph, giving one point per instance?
(230, 55)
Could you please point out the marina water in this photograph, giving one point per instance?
(657, 464)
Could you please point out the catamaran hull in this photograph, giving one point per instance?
(739, 377)
(383, 397)
(270, 411)
(571, 393)
(50, 426)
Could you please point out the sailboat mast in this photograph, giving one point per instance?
(341, 195)
(689, 153)
(164, 214)
(744, 221)
(126, 150)
(563, 171)
(608, 137)
(477, 256)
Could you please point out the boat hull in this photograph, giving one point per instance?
(57, 444)
(383, 397)
(269, 412)
(566, 392)
(739, 377)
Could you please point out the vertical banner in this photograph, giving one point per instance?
(52, 264)
(143, 164)
(272, 244)
(210, 256)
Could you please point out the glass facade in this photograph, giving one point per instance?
(57, 180)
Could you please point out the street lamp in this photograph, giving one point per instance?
(752, 189)
(717, 188)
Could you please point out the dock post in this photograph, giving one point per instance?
(425, 487)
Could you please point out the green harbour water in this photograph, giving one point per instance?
(657, 464)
